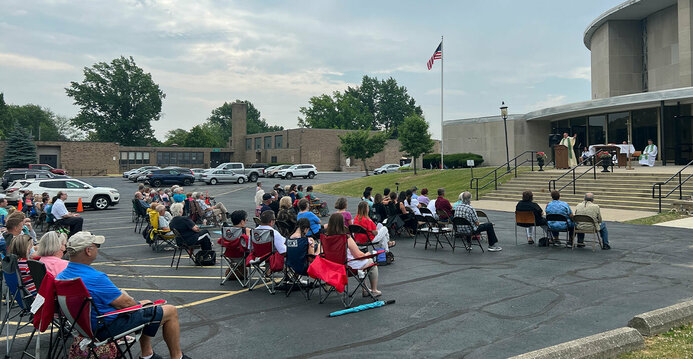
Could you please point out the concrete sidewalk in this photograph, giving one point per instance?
(608, 214)
(678, 223)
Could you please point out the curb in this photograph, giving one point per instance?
(602, 345)
(664, 319)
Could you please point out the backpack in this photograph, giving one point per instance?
(147, 233)
(206, 258)
(543, 242)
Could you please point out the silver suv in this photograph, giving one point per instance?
(304, 170)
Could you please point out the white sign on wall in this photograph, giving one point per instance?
(470, 163)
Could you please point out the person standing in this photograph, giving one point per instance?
(570, 143)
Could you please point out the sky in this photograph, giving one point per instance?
(279, 54)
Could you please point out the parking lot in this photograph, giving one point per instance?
(472, 305)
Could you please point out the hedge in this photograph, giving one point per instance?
(453, 160)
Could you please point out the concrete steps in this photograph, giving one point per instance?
(622, 190)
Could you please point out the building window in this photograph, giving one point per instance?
(248, 143)
(134, 157)
(274, 159)
(644, 124)
(597, 130)
(268, 142)
(278, 139)
(617, 127)
(258, 143)
(179, 158)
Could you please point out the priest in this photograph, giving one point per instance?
(649, 154)
(570, 143)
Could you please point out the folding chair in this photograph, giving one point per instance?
(355, 229)
(142, 215)
(297, 260)
(284, 228)
(593, 228)
(524, 219)
(467, 238)
(262, 249)
(334, 249)
(181, 247)
(38, 273)
(159, 239)
(555, 217)
(234, 251)
(437, 229)
(19, 296)
(423, 229)
(76, 305)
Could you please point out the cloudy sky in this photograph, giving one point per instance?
(278, 54)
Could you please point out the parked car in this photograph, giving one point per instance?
(14, 174)
(215, 176)
(388, 168)
(197, 172)
(95, 197)
(271, 173)
(127, 174)
(139, 172)
(141, 176)
(260, 167)
(180, 176)
(268, 170)
(238, 168)
(302, 170)
(49, 168)
(12, 192)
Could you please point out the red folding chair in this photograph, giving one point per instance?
(76, 305)
(262, 258)
(234, 251)
(334, 249)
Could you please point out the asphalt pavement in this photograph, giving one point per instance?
(472, 305)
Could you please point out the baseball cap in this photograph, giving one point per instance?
(266, 196)
(82, 240)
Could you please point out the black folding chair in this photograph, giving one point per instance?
(355, 229)
(437, 230)
(467, 238)
(555, 217)
(181, 247)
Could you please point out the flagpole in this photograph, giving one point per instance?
(442, 164)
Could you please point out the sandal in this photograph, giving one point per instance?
(376, 293)
(391, 244)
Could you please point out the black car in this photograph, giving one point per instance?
(12, 175)
(180, 176)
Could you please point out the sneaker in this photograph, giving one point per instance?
(606, 246)
(157, 356)
(185, 357)
(494, 249)
(581, 245)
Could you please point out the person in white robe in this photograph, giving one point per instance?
(570, 143)
(649, 154)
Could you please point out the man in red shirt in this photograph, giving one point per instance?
(443, 204)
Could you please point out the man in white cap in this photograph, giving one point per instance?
(83, 247)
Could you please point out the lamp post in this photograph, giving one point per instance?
(504, 115)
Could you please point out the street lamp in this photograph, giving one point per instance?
(504, 115)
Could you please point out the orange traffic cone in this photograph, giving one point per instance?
(79, 205)
(19, 206)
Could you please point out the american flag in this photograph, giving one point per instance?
(437, 55)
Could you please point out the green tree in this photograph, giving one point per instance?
(118, 101)
(40, 122)
(20, 151)
(414, 137)
(176, 137)
(5, 118)
(361, 145)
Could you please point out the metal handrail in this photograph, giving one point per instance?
(475, 180)
(679, 186)
(593, 168)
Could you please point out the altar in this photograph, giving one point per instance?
(621, 151)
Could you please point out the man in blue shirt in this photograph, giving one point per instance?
(562, 208)
(83, 247)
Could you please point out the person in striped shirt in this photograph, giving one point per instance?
(21, 246)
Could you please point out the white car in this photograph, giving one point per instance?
(304, 170)
(95, 197)
(12, 192)
(197, 172)
(386, 169)
(127, 174)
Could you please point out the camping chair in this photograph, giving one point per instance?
(593, 229)
(234, 251)
(51, 223)
(355, 229)
(262, 249)
(297, 260)
(142, 215)
(77, 305)
(436, 229)
(555, 217)
(257, 221)
(467, 238)
(198, 215)
(38, 273)
(180, 247)
(159, 240)
(19, 296)
(334, 249)
(284, 228)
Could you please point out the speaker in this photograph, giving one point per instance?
(554, 139)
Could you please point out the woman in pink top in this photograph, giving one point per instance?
(51, 249)
(341, 206)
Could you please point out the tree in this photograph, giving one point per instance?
(40, 122)
(415, 138)
(118, 101)
(66, 130)
(361, 145)
(5, 118)
(20, 151)
(221, 116)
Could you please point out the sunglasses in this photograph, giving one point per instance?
(97, 245)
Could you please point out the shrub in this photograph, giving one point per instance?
(453, 160)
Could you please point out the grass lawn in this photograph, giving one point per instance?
(454, 181)
(658, 218)
(675, 344)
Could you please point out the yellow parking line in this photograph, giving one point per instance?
(231, 191)
(211, 299)
(130, 260)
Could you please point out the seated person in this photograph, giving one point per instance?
(140, 200)
(191, 234)
(267, 222)
(649, 154)
(444, 206)
(412, 202)
(341, 206)
(304, 212)
(335, 226)
(562, 208)
(527, 204)
(378, 235)
(266, 201)
(423, 198)
(274, 205)
(17, 224)
(380, 212)
(178, 195)
(65, 218)
(367, 196)
(164, 220)
(585, 155)
(301, 232)
(83, 248)
(316, 202)
(589, 208)
(286, 212)
(21, 246)
(51, 249)
(466, 211)
(218, 209)
(408, 218)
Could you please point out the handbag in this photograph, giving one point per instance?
(206, 258)
(329, 272)
(276, 262)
